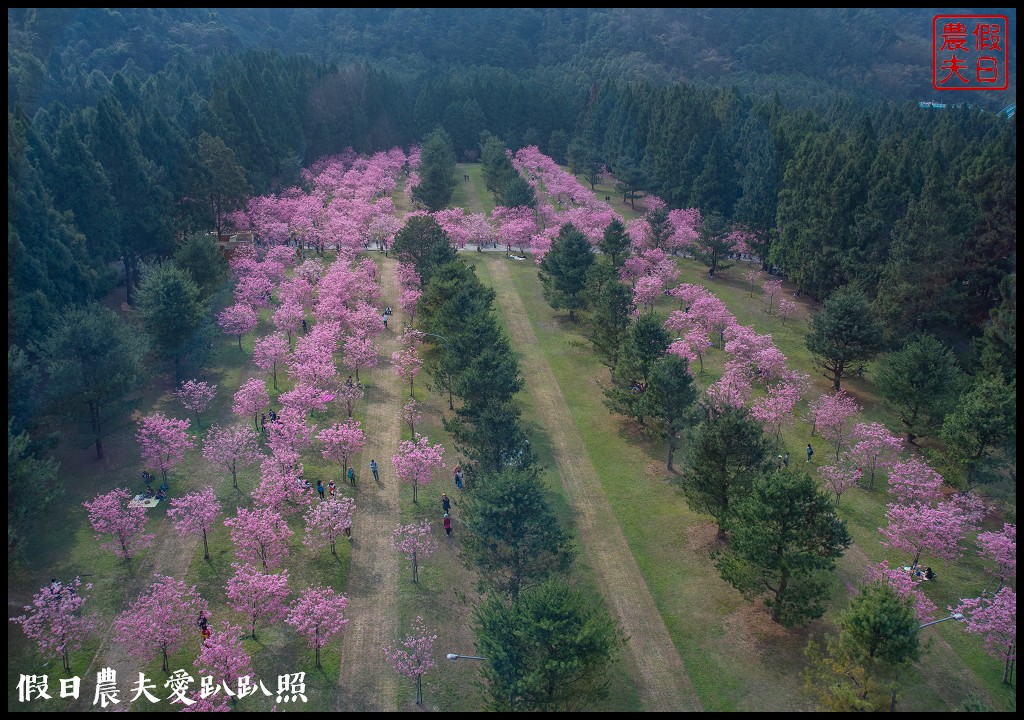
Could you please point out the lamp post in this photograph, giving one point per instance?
(451, 405)
(954, 616)
(454, 656)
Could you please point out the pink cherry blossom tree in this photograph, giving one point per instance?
(416, 541)
(411, 416)
(407, 364)
(195, 513)
(341, 441)
(328, 521)
(260, 597)
(254, 289)
(250, 398)
(914, 481)
(833, 414)
(282, 487)
(995, 618)
(196, 396)
(223, 657)
(360, 352)
(350, 395)
(414, 656)
(238, 319)
(772, 289)
(163, 441)
(260, 535)
(269, 352)
(288, 319)
(233, 448)
(839, 478)
(305, 398)
(753, 276)
(408, 300)
(318, 615)
(416, 461)
(646, 292)
(775, 409)
(159, 619)
(786, 308)
(905, 584)
(110, 514)
(1001, 548)
(936, 527)
(289, 436)
(874, 448)
(54, 620)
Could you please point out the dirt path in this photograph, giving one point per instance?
(366, 682)
(653, 661)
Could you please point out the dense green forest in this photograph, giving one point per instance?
(108, 169)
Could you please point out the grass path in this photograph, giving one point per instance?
(366, 683)
(655, 665)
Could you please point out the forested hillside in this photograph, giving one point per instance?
(131, 129)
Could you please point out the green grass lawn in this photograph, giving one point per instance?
(737, 658)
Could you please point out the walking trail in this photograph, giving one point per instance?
(366, 682)
(654, 663)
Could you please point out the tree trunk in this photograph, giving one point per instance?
(671, 452)
(1011, 660)
(99, 449)
(206, 548)
(67, 662)
(414, 499)
(419, 689)
(240, 348)
(164, 650)
(415, 568)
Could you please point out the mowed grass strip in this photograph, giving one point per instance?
(737, 658)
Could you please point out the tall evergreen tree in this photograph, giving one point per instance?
(200, 257)
(713, 245)
(551, 650)
(859, 669)
(615, 243)
(785, 538)
(611, 305)
(563, 271)
(843, 334)
(423, 242)
(646, 341)
(982, 423)
(94, 362)
(920, 383)
(721, 459)
(226, 185)
(669, 400)
(437, 171)
(173, 311)
(513, 539)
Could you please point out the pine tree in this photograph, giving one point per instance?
(785, 538)
(563, 271)
(437, 171)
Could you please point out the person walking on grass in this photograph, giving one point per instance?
(352, 477)
(458, 477)
(373, 468)
(810, 451)
(320, 488)
(446, 503)
(447, 525)
(330, 488)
